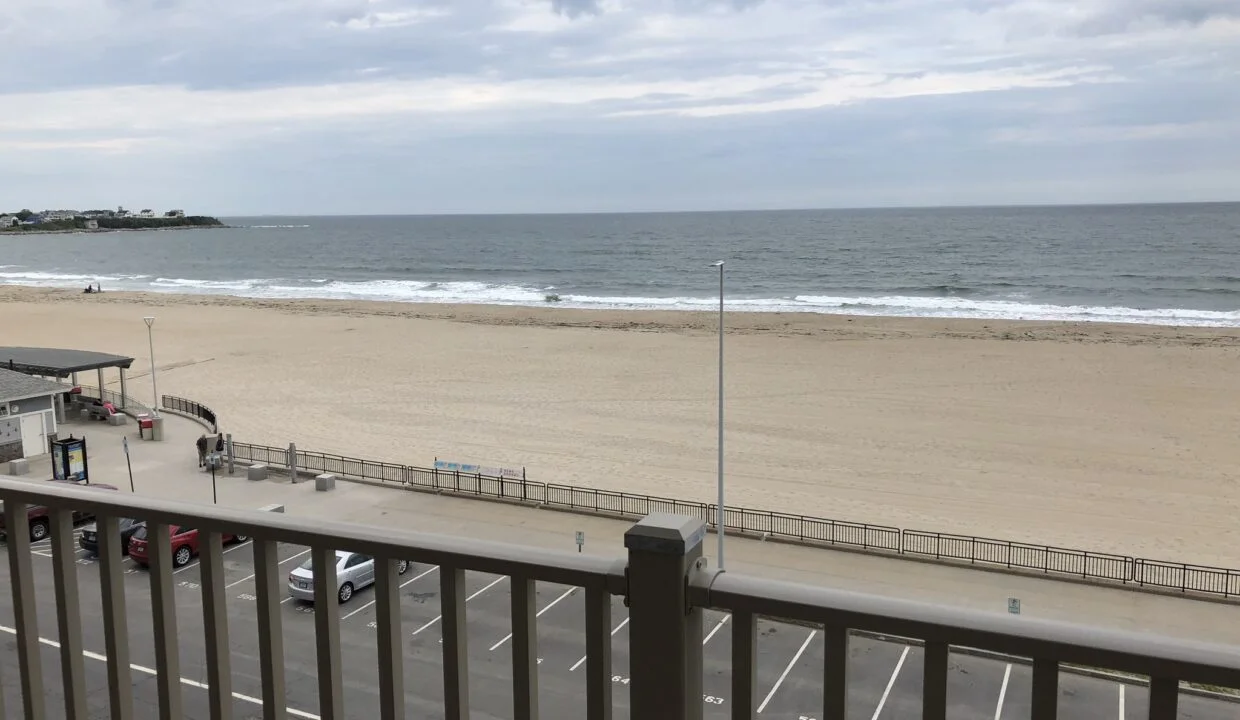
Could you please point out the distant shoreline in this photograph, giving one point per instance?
(94, 231)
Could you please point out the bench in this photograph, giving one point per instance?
(256, 472)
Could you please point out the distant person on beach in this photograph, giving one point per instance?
(202, 450)
(89, 288)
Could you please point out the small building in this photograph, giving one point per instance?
(92, 224)
(175, 214)
(147, 213)
(27, 415)
(8, 221)
(51, 215)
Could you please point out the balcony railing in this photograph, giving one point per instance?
(664, 581)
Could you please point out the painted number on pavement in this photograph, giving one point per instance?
(188, 584)
(712, 699)
(247, 596)
(807, 717)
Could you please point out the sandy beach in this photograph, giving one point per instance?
(1115, 438)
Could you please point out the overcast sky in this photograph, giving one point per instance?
(393, 106)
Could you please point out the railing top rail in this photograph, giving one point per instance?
(1021, 636)
(484, 556)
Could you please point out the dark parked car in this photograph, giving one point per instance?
(89, 540)
(38, 516)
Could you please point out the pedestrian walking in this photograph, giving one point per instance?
(202, 450)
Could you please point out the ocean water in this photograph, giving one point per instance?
(1159, 264)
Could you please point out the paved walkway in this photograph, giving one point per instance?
(168, 469)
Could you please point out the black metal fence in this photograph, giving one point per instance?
(987, 552)
(193, 409)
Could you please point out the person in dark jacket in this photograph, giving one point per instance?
(202, 450)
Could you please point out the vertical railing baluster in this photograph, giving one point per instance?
(524, 649)
(1164, 698)
(68, 613)
(268, 582)
(1045, 700)
(21, 577)
(164, 618)
(390, 643)
(215, 624)
(934, 681)
(327, 633)
(455, 644)
(744, 664)
(598, 653)
(834, 673)
(115, 617)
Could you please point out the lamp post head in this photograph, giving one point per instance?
(718, 264)
(149, 321)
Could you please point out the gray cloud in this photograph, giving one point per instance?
(476, 105)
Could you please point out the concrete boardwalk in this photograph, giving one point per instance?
(168, 469)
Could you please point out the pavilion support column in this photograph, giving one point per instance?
(73, 379)
(100, 371)
(124, 394)
(60, 408)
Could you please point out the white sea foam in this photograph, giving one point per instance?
(468, 292)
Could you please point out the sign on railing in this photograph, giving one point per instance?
(448, 466)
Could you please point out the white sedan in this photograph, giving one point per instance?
(354, 571)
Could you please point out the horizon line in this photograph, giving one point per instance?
(1000, 206)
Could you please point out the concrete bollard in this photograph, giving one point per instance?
(325, 482)
(272, 508)
(118, 419)
(20, 466)
(256, 472)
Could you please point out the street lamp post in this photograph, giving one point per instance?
(720, 515)
(150, 338)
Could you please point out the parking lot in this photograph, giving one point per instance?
(884, 677)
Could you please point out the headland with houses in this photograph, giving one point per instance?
(59, 221)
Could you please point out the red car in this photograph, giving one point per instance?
(184, 545)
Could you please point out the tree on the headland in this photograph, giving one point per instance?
(24, 215)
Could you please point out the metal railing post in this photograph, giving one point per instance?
(25, 616)
(665, 635)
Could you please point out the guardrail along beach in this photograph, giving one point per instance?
(1061, 563)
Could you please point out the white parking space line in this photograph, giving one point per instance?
(537, 615)
(887, 691)
(1121, 701)
(715, 629)
(494, 582)
(417, 577)
(784, 675)
(1007, 675)
(184, 681)
(251, 575)
(187, 566)
(613, 632)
